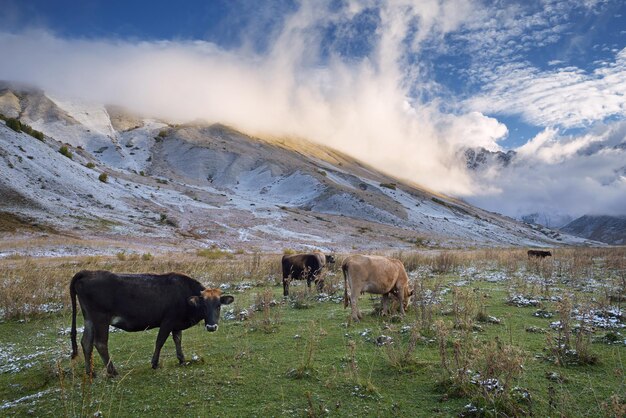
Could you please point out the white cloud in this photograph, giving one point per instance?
(474, 130)
(562, 175)
(359, 107)
(567, 97)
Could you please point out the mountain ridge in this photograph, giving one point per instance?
(212, 185)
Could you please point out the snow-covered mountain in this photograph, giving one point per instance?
(481, 158)
(200, 184)
(608, 229)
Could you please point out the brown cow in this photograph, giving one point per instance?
(378, 275)
(539, 253)
(304, 267)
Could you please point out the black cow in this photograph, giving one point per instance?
(304, 267)
(135, 302)
(539, 253)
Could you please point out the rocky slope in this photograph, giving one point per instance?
(199, 184)
(608, 229)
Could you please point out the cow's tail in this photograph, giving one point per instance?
(76, 277)
(346, 276)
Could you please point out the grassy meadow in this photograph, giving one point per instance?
(489, 333)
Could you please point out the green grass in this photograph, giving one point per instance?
(302, 365)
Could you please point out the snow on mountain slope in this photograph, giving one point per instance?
(197, 185)
(93, 117)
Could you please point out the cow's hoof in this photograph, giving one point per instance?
(155, 366)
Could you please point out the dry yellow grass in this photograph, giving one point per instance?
(34, 285)
(30, 285)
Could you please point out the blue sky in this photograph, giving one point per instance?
(365, 76)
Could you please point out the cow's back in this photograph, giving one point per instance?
(375, 274)
(296, 264)
(140, 297)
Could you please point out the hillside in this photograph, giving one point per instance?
(608, 229)
(200, 185)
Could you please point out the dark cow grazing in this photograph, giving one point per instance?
(135, 302)
(304, 267)
(539, 253)
(378, 275)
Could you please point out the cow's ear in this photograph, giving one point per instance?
(227, 300)
(194, 300)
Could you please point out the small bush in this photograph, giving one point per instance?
(66, 152)
(391, 186)
(147, 257)
(90, 165)
(103, 177)
(37, 134)
(121, 256)
(445, 262)
(18, 126)
(14, 124)
(299, 300)
(264, 317)
(213, 253)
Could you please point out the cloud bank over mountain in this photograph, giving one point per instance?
(401, 84)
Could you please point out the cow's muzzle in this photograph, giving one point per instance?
(211, 328)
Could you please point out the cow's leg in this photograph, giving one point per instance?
(286, 286)
(177, 336)
(385, 309)
(319, 284)
(400, 296)
(102, 345)
(161, 337)
(87, 343)
(355, 291)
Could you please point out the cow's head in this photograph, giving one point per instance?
(408, 296)
(209, 304)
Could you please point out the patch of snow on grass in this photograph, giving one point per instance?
(10, 362)
(27, 398)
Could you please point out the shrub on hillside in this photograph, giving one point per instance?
(103, 177)
(66, 152)
(391, 186)
(37, 134)
(14, 124)
(18, 126)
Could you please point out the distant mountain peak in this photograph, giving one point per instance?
(481, 158)
(603, 228)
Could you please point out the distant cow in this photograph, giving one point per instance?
(304, 267)
(135, 302)
(539, 253)
(378, 275)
